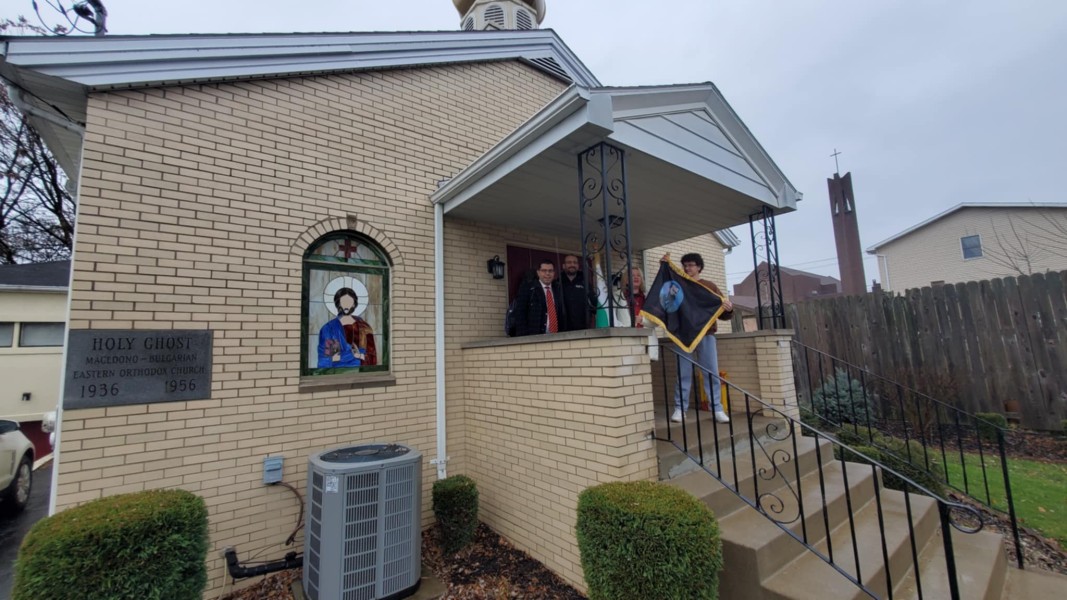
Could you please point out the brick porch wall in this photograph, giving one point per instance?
(547, 419)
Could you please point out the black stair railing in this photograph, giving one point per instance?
(774, 484)
(959, 449)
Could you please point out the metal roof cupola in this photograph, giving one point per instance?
(500, 14)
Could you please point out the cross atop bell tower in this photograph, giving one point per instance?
(500, 14)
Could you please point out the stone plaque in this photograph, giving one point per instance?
(110, 367)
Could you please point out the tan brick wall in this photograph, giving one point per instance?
(1009, 236)
(197, 203)
(475, 307)
(709, 248)
(545, 421)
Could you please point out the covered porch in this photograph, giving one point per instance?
(620, 172)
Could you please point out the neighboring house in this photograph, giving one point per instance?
(975, 241)
(33, 313)
(240, 195)
(797, 286)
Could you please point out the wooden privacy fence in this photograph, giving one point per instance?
(988, 346)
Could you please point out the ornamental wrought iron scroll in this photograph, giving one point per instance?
(605, 229)
(765, 268)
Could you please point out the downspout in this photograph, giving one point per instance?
(53, 492)
(439, 335)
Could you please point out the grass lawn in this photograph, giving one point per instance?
(1039, 490)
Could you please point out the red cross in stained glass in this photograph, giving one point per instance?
(347, 247)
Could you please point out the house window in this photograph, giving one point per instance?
(345, 306)
(972, 246)
(41, 335)
(7, 334)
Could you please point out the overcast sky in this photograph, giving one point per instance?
(930, 102)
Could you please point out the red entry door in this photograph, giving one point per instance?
(523, 262)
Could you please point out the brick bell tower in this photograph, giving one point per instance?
(846, 234)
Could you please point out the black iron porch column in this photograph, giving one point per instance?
(765, 265)
(605, 223)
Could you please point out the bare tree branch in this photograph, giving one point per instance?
(36, 208)
(1028, 242)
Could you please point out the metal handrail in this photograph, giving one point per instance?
(958, 420)
(773, 506)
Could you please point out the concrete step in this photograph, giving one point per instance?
(810, 577)
(701, 432)
(1032, 584)
(981, 567)
(754, 547)
(772, 466)
(765, 562)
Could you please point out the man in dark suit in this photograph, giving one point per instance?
(537, 306)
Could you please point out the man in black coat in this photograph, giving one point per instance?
(579, 298)
(532, 304)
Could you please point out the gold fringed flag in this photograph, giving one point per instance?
(682, 306)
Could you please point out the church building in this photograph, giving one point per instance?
(287, 242)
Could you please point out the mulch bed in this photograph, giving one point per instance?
(489, 568)
(1018, 443)
(492, 568)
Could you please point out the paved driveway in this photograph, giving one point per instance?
(13, 529)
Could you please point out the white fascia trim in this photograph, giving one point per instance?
(727, 238)
(37, 289)
(874, 249)
(138, 61)
(572, 110)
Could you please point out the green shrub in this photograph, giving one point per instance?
(455, 504)
(641, 540)
(853, 437)
(142, 546)
(813, 421)
(893, 453)
(841, 399)
(988, 423)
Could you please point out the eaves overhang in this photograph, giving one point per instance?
(55, 75)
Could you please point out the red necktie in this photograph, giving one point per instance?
(550, 302)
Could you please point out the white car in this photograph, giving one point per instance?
(16, 467)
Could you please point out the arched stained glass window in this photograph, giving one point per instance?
(345, 306)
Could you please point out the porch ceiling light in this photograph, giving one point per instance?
(495, 266)
(614, 220)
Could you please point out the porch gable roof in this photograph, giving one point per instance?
(692, 165)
